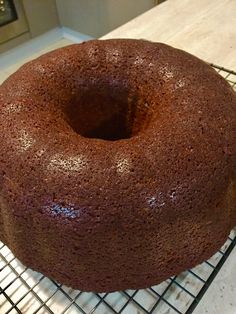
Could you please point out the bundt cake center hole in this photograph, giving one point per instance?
(108, 114)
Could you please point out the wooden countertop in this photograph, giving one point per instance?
(204, 28)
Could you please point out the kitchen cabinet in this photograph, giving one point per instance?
(98, 17)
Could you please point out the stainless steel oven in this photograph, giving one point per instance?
(12, 20)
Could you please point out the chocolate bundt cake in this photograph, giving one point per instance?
(117, 163)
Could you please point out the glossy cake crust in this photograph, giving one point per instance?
(117, 163)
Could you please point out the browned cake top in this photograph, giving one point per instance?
(117, 134)
(119, 125)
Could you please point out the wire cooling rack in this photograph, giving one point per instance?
(25, 291)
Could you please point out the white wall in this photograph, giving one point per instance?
(98, 17)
